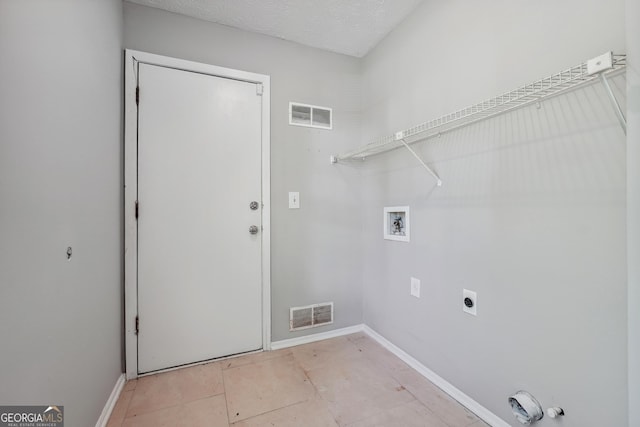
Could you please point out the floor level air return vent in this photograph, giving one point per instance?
(310, 316)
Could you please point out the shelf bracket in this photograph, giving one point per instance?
(424, 165)
(614, 102)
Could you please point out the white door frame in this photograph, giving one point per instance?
(132, 59)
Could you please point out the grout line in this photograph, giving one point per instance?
(226, 400)
(274, 357)
(270, 411)
(124, 414)
(306, 375)
(244, 366)
(151, 412)
(427, 407)
(170, 406)
(315, 388)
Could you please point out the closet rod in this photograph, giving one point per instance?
(582, 74)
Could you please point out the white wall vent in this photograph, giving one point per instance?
(310, 316)
(311, 116)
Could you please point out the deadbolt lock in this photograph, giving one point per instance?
(253, 206)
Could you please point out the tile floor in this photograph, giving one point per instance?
(347, 381)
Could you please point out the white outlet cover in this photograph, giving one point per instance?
(473, 297)
(415, 287)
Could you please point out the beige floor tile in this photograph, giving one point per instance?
(440, 403)
(152, 393)
(357, 336)
(210, 412)
(199, 381)
(130, 385)
(312, 413)
(261, 387)
(479, 423)
(234, 362)
(356, 389)
(114, 422)
(317, 354)
(167, 417)
(412, 414)
(176, 387)
(381, 357)
(349, 380)
(120, 410)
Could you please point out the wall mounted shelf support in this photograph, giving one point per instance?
(585, 73)
(424, 165)
(614, 102)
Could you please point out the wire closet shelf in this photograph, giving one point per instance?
(563, 81)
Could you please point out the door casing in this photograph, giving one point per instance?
(132, 59)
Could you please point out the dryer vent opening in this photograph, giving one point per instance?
(310, 316)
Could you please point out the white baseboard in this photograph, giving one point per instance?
(111, 403)
(277, 345)
(466, 401)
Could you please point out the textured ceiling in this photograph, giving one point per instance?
(352, 27)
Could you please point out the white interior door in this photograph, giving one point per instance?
(199, 168)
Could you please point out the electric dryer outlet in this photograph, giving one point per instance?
(469, 302)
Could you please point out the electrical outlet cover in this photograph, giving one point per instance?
(469, 302)
(415, 287)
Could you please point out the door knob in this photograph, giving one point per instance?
(253, 229)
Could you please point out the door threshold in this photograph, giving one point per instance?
(202, 362)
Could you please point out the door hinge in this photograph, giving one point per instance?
(137, 209)
(137, 325)
(259, 89)
(137, 95)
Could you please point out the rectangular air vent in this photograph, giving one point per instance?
(310, 116)
(310, 316)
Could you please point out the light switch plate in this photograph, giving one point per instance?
(415, 287)
(294, 200)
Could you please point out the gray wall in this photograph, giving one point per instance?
(532, 208)
(60, 185)
(633, 202)
(531, 215)
(315, 251)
